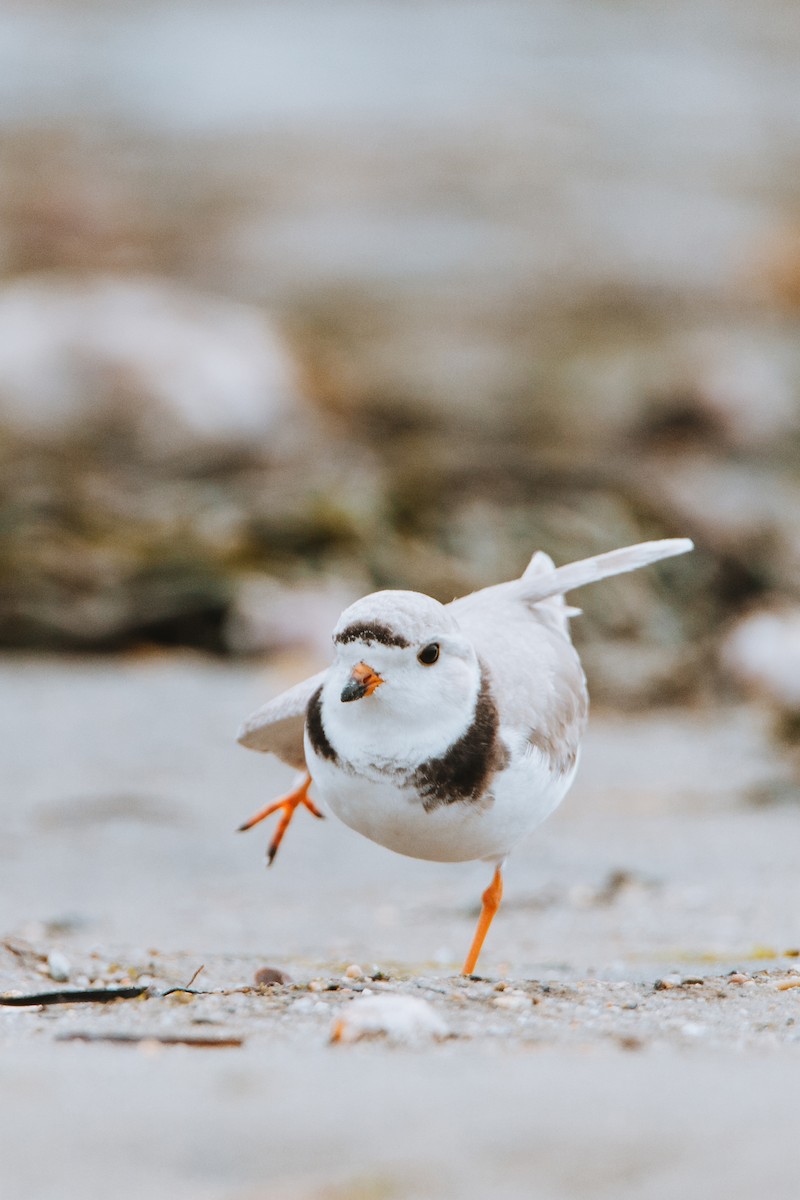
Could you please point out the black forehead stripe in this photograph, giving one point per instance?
(373, 631)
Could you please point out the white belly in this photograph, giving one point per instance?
(519, 799)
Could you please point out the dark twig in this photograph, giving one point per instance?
(163, 1039)
(74, 996)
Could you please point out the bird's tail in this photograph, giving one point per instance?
(543, 580)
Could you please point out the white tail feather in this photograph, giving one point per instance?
(536, 587)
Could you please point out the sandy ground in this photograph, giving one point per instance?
(605, 1051)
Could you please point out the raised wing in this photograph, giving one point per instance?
(277, 727)
(542, 581)
(521, 630)
(540, 585)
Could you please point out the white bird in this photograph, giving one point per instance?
(445, 732)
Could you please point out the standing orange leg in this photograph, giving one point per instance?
(491, 902)
(287, 805)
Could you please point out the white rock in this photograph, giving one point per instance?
(744, 379)
(405, 1019)
(762, 652)
(58, 966)
(170, 371)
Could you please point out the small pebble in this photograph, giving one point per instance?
(354, 972)
(317, 985)
(669, 981)
(270, 977)
(58, 966)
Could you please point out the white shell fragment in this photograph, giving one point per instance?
(513, 1001)
(58, 966)
(404, 1019)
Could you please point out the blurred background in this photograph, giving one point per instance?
(302, 299)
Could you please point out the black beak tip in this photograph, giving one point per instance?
(353, 691)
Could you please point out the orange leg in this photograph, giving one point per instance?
(286, 805)
(491, 902)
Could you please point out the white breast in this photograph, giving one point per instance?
(519, 798)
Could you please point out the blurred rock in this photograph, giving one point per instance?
(676, 381)
(762, 653)
(746, 382)
(742, 510)
(268, 616)
(140, 367)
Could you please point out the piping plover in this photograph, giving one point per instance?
(445, 732)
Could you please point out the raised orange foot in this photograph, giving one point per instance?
(287, 805)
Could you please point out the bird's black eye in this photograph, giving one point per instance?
(428, 654)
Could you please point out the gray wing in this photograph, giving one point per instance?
(537, 679)
(538, 682)
(521, 631)
(277, 727)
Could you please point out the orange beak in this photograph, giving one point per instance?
(362, 682)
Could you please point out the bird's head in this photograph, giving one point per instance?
(404, 682)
